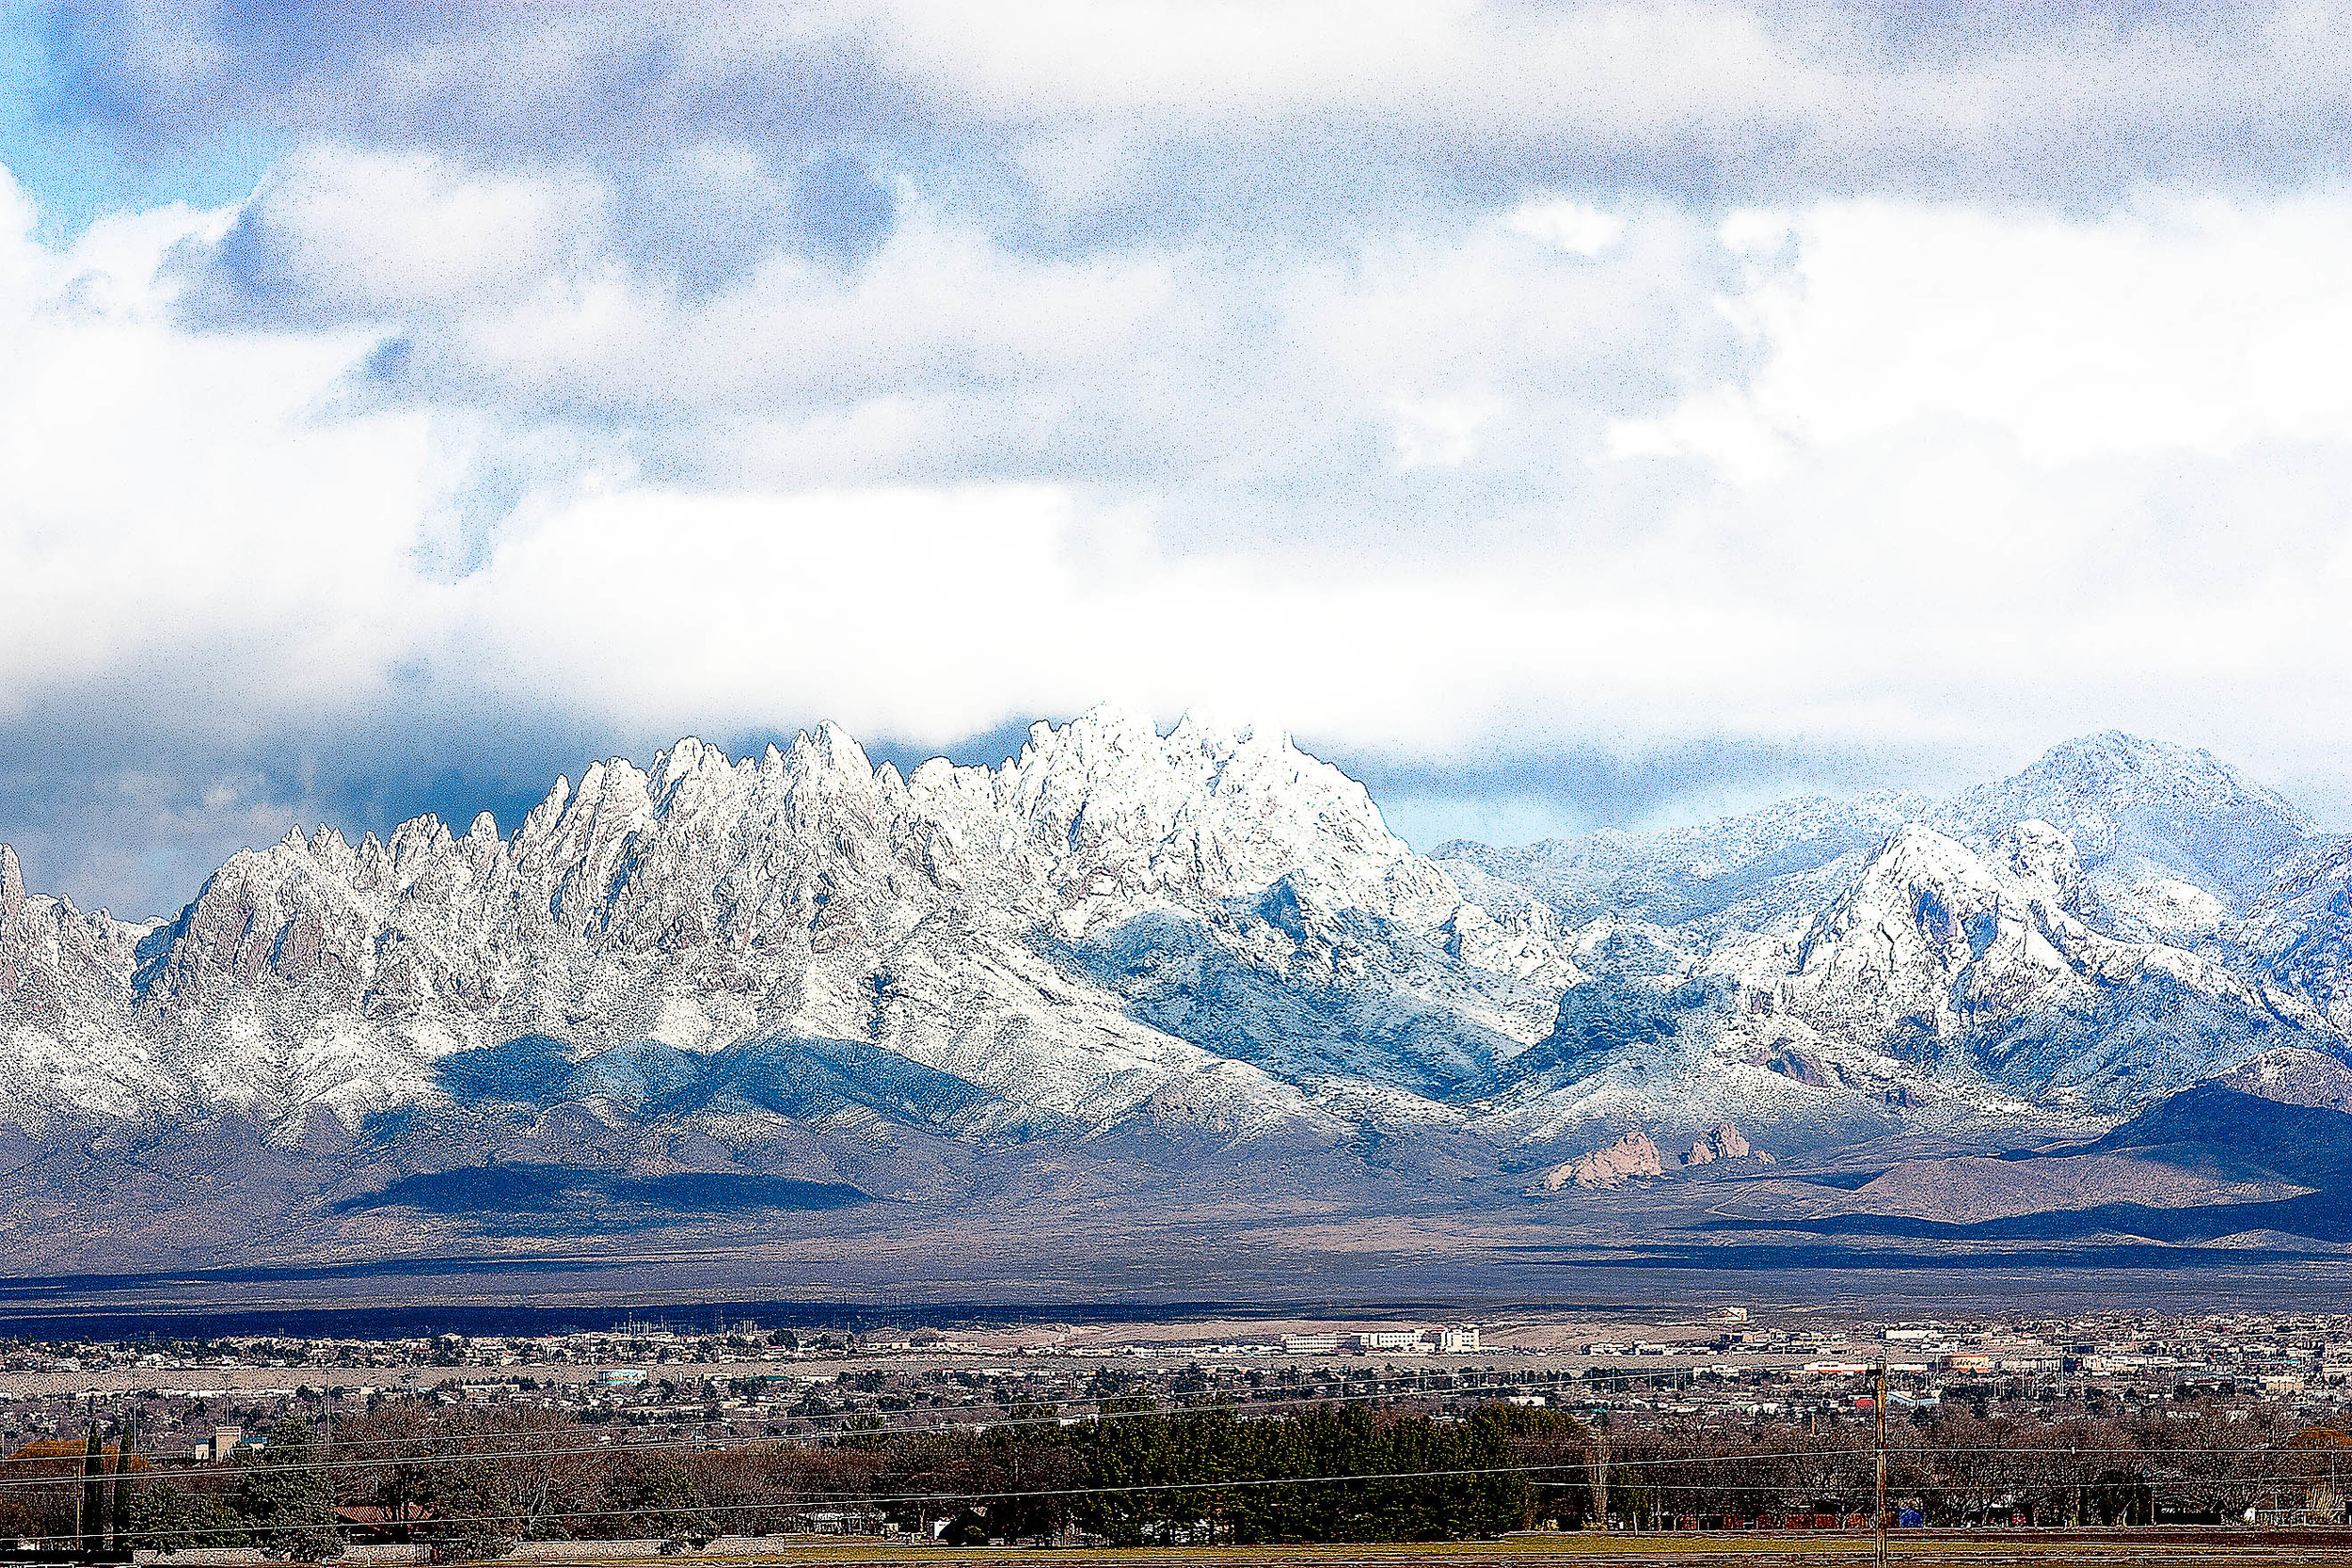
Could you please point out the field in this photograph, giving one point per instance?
(2165, 1548)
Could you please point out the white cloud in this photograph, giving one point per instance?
(1440, 433)
(178, 496)
(348, 233)
(1476, 64)
(947, 357)
(1570, 226)
(2174, 327)
(1982, 480)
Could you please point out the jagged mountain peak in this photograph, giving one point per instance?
(1224, 808)
(828, 751)
(1110, 740)
(705, 902)
(2113, 769)
(2172, 838)
(1219, 808)
(1122, 917)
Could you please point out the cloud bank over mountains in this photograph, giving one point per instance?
(1563, 418)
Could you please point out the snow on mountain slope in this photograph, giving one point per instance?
(1360, 1010)
(2299, 929)
(1681, 874)
(1935, 949)
(1205, 934)
(1930, 940)
(1121, 816)
(709, 902)
(64, 997)
(2172, 841)
(1979, 970)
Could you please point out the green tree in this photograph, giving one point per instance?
(659, 1495)
(94, 1492)
(285, 1499)
(122, 1490)
(168, 1519)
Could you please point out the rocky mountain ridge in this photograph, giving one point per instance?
(811, 966)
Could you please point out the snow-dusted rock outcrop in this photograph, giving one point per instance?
(2172, 841)
(807, 893)
(1207, 935)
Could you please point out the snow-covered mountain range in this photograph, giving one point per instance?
(1207, 937)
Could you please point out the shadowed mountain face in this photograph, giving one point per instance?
(2263, 1155)
(2217, 1129)
(800, 1079)
(553, 1190)
(800, 985)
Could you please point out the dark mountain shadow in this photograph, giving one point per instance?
(1601, 1017)
(1844, 1181)
(557, 1190)
(799, 1078)
(2315, 1217)
(639, 1075)
(2230, 1133)
(806, 1078)
(2212, 1130)
(531, 1069)
(1796, 1258)
(1177, 978)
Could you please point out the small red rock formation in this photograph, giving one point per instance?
(1631, 1155)
(1634, 1154)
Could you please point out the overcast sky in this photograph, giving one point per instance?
(1561, 415)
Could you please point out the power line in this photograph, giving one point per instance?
(1240, 1410)
(819, 1501)
(1636, 1465)
(1100, 1408)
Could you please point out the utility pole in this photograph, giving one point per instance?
(1881, 1516)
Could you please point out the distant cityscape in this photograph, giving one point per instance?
(746, 1381)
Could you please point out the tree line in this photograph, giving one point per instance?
(476, 1480)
